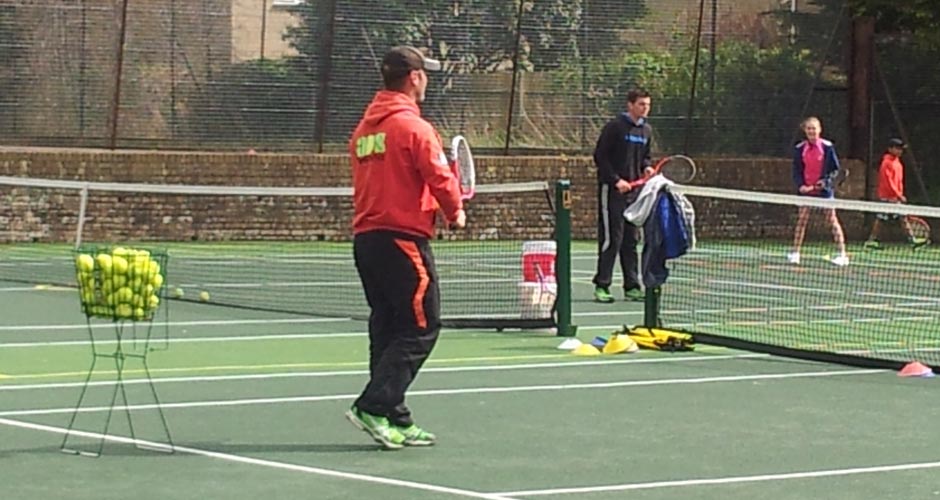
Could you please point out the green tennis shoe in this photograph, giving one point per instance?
(634, 295)
(378, 427)
(602, 295)
(416, 436)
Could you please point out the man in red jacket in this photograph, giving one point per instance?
(401, 180)
(891, 190)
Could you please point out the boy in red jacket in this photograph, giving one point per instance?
(401, 180)
(891, 190)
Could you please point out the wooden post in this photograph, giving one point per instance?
(860, 78)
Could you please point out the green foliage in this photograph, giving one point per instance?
(918, 17)
(254, 100)
(764, 85)
(471, 36)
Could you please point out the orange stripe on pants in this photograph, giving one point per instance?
(417, 301)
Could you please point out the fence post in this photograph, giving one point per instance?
(515, 75)
(118, 74)
(325, 73)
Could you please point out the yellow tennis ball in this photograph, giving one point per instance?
(124, 310)
(119, 265)
(104, 263)
(120, 252)
(157, 281)
(118, 280)
(153, 269)
(85, 263)
(204, 296)
(179, 293)
(153, 302)
(124, 295)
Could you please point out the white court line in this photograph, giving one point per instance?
(905, 297)
(262, 463)
(768, 286)
(341, 373)
(727, 480)
(155, 339)
(227, 322)
(447, 392)
(19, 289)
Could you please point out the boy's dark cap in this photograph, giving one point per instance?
(894, 142)
(401, 60)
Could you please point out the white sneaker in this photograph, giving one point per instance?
(841, 260)
(793, 257)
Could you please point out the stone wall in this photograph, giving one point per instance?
(42, 215)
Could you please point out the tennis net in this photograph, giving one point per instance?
(743, 287)
(279, 249)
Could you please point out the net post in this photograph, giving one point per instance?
(563, 257)
(651, 307)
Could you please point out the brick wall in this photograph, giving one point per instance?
(44, 215)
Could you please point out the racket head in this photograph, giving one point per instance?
(841, 176)
(463, 166)
(677, 168)
(919, 227)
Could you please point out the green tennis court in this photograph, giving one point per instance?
(254, 401)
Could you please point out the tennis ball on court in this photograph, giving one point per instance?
(157, 281)
(204, 296)
(178, 293)
(85, 263)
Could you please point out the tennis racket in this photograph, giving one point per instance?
(461, 163)
(919, 227)
(677, 168)
(832, 182)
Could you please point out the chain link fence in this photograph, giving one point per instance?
(727, 77)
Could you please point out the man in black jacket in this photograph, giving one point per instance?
(622, 156)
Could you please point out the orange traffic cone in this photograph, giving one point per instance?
(916, 369)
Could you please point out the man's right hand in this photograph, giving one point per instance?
(807, 189)
(623, 186)
(461, 221)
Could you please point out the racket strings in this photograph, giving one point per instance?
(466, 168)
(679, 169)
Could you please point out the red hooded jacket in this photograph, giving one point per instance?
(401, 176)
(891, 178)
